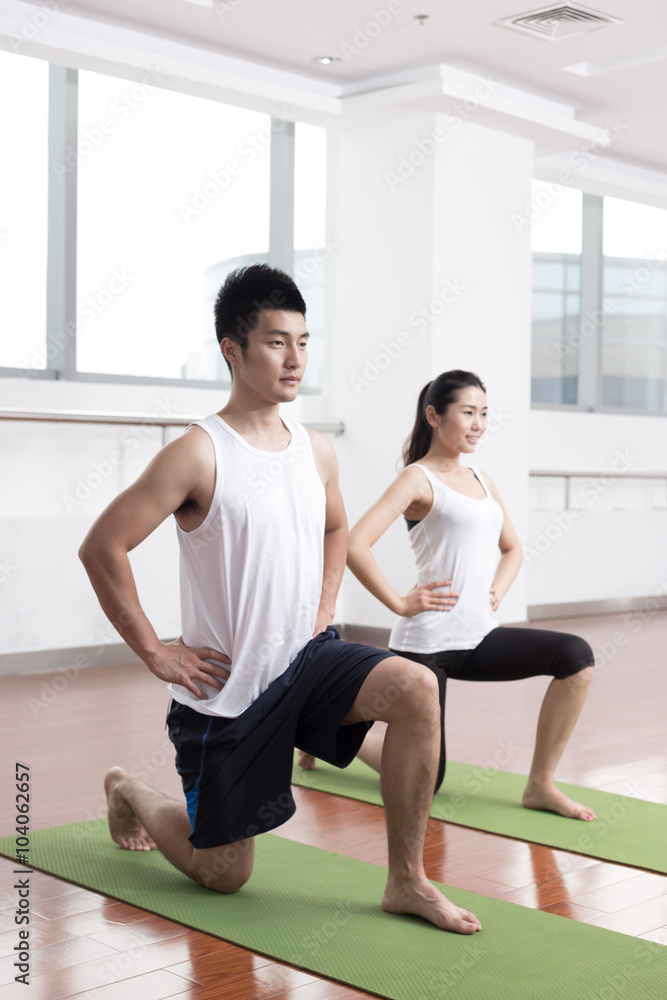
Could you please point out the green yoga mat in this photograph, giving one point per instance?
(629, 831)
(321, 912)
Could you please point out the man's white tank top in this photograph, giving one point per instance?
(251, 573)
(457, 541)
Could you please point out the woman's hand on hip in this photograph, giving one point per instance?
(428, 597)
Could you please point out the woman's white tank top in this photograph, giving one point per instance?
(251, 573)
(457, 541)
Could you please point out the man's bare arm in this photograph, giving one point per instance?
(335, 546)
(176, 475)
(335, 531)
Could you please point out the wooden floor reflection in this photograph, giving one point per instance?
(70, 726)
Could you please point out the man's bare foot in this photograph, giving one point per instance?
(552, 799)
(125, 828)
(423, 900)
(306, 761)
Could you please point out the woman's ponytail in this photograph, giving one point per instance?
(419, 441)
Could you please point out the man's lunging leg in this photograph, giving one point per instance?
(141, 818)
(405, 696)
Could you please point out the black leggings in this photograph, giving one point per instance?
(505, 654)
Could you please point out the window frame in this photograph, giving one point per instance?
(590, 376)
(61, 311)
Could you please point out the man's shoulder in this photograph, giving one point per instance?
(196, 435)
(323, 450)
(194, 447)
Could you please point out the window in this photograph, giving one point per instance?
(23, 211)
(634, 348)
(556, 312)
(556, 242)
(172, 186)
(311, 249)
(599, 302)
(170, 192)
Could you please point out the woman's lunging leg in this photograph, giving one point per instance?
(560, 710)
(516, 653)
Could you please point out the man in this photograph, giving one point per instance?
(262, 531)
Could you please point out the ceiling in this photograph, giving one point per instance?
(626, 76)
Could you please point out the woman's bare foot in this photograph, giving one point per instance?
(306, 761)
(125, 828)
(551, 799)
(423, 900)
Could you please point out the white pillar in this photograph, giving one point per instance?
(430, 274)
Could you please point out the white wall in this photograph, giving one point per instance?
(562, 440)
(597, 552)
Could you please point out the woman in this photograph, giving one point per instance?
(457, 523)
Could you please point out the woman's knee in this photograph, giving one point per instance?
(575, 657)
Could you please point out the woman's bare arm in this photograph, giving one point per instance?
(511, 551)
(408, 491)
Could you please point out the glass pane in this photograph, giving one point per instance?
(573, 277)
(311, 249)
(634, 376)
(557, 214)
(634, 230)
(173, 193)
(556, 218)
(640, 308)
(548, 274)
(310, 184)
(556, 336)
(24, 84)
(547, 305)
(624, 277)
(634, 352)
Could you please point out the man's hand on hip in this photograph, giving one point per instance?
(188, 666)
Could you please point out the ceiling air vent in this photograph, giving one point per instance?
(562, 21)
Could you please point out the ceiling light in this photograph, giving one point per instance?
(326, 60)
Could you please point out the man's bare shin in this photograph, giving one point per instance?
(405, 696)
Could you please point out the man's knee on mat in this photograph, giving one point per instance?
(224, 869)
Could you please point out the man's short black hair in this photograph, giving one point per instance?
(245, 294)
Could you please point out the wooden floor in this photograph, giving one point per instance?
(70, 726)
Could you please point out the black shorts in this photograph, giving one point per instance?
(236, 772)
